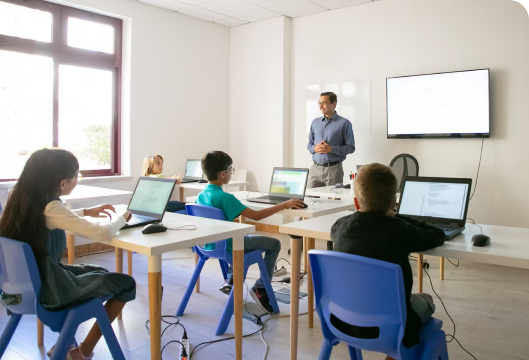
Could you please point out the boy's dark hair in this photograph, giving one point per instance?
(332, 96)
(214, 162)
(375, 188)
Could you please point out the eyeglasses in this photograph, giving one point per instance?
(230, 170)
(79, 176)
(323, 103)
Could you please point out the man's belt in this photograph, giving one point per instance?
(327, 164)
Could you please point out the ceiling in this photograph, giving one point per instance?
(238, 12)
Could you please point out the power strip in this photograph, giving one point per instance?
(281, 271)
(184, 347)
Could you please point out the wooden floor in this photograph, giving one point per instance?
(490, 305)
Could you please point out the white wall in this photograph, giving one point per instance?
(259, 98)
(405, 37)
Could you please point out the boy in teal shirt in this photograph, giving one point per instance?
(217, 167)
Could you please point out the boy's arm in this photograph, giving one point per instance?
(420, 236)
(262, 214)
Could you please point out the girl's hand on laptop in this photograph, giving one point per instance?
(293, 204)
(178, 179)
(100, 211)
(127, 215)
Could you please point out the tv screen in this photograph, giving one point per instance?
(444, 105)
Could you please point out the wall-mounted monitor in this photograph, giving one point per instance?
(444, 105)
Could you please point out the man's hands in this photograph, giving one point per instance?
(293, 204)
(100, 211)
(322, 148)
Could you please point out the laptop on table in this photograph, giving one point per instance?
(286, 184)
(440, 202)
(149, 201)
(193, 171)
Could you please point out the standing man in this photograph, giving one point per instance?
(331, 139)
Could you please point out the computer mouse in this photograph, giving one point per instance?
(304, 206)
(202, 181)
(154, 228)
(348, 186)
(338, 186)
(480, 240)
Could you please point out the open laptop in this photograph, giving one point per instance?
(193, 171)
(149, 201)
(286, 184)
(441, 202)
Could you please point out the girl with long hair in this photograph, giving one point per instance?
(35, 215)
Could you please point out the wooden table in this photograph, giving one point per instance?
(202, 186)
(509, 247)
(154, 245)
(331, 192)
(83, 193)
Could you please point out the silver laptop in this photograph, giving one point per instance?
(286, 184)
(149, 201)
(440, 202)
(193, 171)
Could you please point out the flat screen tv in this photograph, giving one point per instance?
(444, 105)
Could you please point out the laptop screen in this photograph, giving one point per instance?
(289, 181)
(151, 196)
(193, 169)
(442, 200)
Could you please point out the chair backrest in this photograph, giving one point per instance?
(240, 175)
(19, 275)
(210, 212)
(404, 165)
(359, 300)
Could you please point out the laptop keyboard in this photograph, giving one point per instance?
(275, 198)
(445, 227)
(136, 219)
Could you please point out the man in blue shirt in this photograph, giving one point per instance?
(217, 167)
(331, 139)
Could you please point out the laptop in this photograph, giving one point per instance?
(286, 184)
(440, 202)
(149, 201)
(193, 171)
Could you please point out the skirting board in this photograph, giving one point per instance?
(91, 248)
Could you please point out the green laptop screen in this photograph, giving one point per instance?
(151, 196)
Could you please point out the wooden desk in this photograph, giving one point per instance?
(83, 193)
(202, 186)
(331, 192)
(509, 247)
(154, 245)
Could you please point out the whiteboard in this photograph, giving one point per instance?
(354, 103)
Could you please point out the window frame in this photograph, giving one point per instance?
(62, 54)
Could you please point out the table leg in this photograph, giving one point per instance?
(119, 267)
(238, 279)
(197, 285)
(310, 290)
(40, 333)
(442, 268)
(129, 262)
(155, 304)
(295, 245)
(305, 255)
(242, 219)
(70, 244)
(419, 271)
(182, 198)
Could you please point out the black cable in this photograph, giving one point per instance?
(452, 336)
(283, 259)
(473, 222)
(219, 340)
(172, 341)
(452, 262)
(477, 175)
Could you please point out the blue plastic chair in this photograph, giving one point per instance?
(224, 257)
(354, 291)
(19, 275)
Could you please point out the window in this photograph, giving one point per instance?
(60, 75)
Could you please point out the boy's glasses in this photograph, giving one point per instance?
(79, 176)
(230, 170)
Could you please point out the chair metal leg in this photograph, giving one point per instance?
(109, 335)
(9, 330)
(326, 350)
(190, 287)
(268, 285)
(354, 353)
(226, 316)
